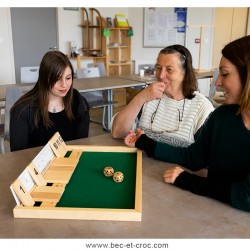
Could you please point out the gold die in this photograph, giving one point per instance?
(108, 171)
(118, 177)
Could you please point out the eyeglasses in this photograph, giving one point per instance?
(180, 116)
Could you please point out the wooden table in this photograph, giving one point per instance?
(91, 84)
(145, 79)
(4, 87)
(108, 82)
(151, 78)
(167, 211)
(202, 74)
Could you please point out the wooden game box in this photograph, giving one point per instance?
(73, 186)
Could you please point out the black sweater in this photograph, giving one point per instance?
(224, 147)
(24, 134)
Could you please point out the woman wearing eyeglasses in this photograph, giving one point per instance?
(224, 142)
(169, 110)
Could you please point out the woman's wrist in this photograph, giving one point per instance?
(147, 144)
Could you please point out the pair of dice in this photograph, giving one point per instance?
(117, 176)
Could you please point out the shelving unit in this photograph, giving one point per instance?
(92, 25)
(114, 50)
(117, 47)
(95, 59)
(92, 32)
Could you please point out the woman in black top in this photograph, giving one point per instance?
(51, 106)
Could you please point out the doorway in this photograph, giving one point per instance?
(34, 32)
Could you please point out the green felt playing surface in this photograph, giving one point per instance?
(89, 188)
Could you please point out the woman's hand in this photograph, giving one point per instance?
(153, 91)
(171, 174)
(132, 137)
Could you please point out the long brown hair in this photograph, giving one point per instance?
(189, 84)
(51, 70)
(238, 53)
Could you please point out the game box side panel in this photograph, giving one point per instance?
(77, 213)
(138, 188)
(92, 148)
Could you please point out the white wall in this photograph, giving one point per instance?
(138, 52)
(7, 71)
(200, 21)
(69, 30)
(195, 18)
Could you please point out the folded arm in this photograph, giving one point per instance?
(125, 119)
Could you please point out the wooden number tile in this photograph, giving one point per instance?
(59, 185)
(57, 176)
(22, 193)
(48, 204)
(62, 168)
(60, 161)
(38, 178)
(76, 153)
(47, 193)
(58, 145)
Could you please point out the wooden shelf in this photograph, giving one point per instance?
(94, 40)
(122, 28)
(90, 26)
(92, 31)
(119, 53)
(95, 59)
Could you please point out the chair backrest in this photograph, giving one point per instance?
(101, 67)
(29, 74)
(213, 87)
(87, 72)
(12, 95)
(94, 98)
(215, 96)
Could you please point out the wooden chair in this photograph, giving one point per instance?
(95, 98)
(2, 107)
(12, 95)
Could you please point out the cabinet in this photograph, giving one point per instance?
(230, 24)
(117, 47)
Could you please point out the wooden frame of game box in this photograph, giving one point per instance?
(47, 210)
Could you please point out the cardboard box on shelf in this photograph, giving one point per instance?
(120, 95)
